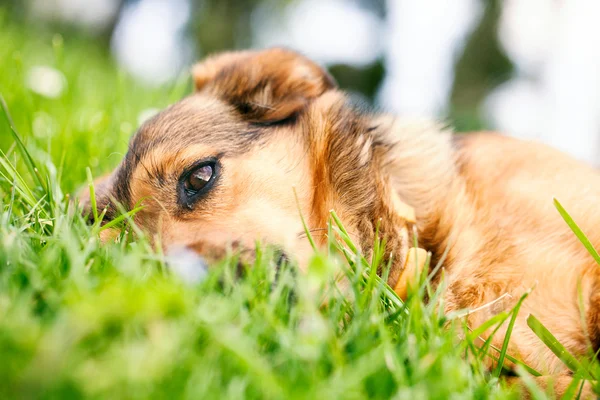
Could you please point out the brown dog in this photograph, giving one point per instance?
(220, 167)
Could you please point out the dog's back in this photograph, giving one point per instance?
(509, 239)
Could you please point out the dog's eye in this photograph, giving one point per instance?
(197, 181)
(199, 178)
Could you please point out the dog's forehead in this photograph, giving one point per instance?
(195, 119)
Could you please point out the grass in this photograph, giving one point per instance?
(79, 319)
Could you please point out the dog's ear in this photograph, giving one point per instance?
(357, 182)
(267, 86)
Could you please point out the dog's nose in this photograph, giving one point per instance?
(186, 264)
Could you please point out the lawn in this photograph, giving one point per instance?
(82, 319)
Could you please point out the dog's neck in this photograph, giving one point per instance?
(423, 170)
(420, 163)
(364, 163)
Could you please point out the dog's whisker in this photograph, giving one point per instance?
(162, 206)
(483, 307)
(302, 234)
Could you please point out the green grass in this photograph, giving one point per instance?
(81, 319)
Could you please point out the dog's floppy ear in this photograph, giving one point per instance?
(264, 86)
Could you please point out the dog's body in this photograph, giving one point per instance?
(222, 166)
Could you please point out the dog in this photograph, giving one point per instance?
(267, 136)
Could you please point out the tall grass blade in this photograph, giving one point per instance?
(556, 347)
(304, 225)
(577, 231)
(90, 179)
(26, 156)
(120, 218)
(508, 334)
(574, 389)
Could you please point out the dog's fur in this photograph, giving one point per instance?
(276, 123)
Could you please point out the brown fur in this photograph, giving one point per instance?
(276, 123)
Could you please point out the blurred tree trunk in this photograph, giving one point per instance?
(482, 66)
(222, 24)
(107, 33)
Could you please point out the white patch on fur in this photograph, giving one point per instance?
(365, 151)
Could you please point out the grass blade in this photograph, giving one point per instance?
(508, 334)
(26, 156)
(306, 229)
(495, 320)
(120, 218)
(573, 389)
(556, 347)
(343, 232)
(90, 179)
(577, 231)
(520, 363)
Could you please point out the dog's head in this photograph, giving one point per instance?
(265, 137)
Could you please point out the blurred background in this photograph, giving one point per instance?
(530, 68)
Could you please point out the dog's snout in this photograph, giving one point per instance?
(187, 264)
